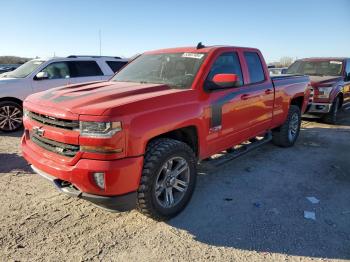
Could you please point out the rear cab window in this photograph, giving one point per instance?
(84, 69)
(115, 66)
(226, 63)
(255, 67)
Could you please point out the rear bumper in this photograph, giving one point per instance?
(319, 108)
(112, 203)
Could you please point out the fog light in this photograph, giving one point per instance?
(99, 179)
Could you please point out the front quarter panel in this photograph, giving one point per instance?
(147, 119)
(146, 126)
(16, 88)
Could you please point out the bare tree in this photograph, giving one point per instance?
(286, 61)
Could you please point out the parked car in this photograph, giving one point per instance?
(41, 74)
(330, 79)
(136, 139)
(278, 70)
(7, 68)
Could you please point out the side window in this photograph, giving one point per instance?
(255, 68)
(57, 70)
(227, 63)
(347, 70)
(84, 68)
(116, 65)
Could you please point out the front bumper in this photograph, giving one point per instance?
(122, 177)
(319, 108)
(111, 203)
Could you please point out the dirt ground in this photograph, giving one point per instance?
(251, 208)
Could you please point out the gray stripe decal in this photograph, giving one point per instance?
(216, 107)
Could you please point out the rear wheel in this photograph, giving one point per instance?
(10, 116)
(287, 134)
(332, 116)
(168, 179)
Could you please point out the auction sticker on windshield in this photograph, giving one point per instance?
(336, 62)
(193, 55)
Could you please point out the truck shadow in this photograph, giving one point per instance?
(257, 202)
(14, 134)
(10, 163)
(343, 118)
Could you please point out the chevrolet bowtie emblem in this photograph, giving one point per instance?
(38, 131)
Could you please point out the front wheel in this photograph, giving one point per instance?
(168, 178)
(332, 116)
(287, 134)
(10, 116)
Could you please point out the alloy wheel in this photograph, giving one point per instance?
(293, 127)
(10, 118)
(172, 182)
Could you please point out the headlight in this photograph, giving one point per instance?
(99, 129)
(324, 92)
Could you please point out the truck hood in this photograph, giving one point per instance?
(324, 80)
(98, 98)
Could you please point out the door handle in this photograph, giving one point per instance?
(244, 96)
(268, 91)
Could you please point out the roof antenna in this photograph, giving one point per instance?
(200, 45)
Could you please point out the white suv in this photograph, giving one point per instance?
(42, 74)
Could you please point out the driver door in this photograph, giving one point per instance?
(230, 110)
(57, 74)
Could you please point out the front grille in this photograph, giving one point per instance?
(56, 147)
(52, 121)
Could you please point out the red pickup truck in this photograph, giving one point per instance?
(330, 80)
(135, 141)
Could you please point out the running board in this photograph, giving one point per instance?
(239, 150)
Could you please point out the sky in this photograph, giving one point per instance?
(295, 28)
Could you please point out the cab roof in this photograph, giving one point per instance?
(324, 58)
(193, 49)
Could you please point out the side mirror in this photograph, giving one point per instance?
(42, 76)
(222, 81)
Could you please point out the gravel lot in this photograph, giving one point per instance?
(248, 209)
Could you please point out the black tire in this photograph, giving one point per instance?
(11, 115)
(287, 134)
(332, 116)
(158, 154)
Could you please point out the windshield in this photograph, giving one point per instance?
(25, 69)
(177, 70)
(316, 68)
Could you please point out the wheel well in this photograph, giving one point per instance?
(187, 135)
(298, 101)
(11, 99)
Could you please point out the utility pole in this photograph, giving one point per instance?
(99, 36)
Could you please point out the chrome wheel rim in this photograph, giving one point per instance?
(10, 118)
(293, 127)
(172, 182)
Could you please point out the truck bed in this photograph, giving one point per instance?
(288, 77)
(282, 80)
